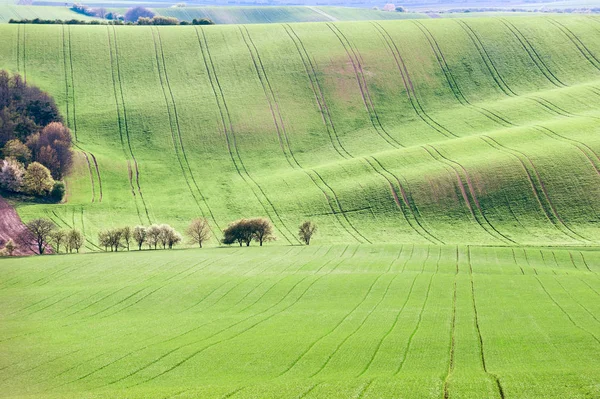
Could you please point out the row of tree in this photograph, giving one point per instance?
(40, 233)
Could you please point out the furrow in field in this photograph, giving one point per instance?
(174, 118)
(538, 187)
(532, 52)
(282, 135)
(72, 76)
(309, 390)
(113, 67)
(527, 261)
(363, 86)
(230, 138)
(87, 159)
(408, 84)
(42, 364)
(405, 205)
(126, 123)
(364, 389)
(64, 57)
(452, 344)
(558, 305)
(461, 186)
(478, 329)
(332, 330)
(318, 92)
(360, 325)
(389, 331)
(414, 331)
(452, 164)
(577, 42)
(515, 260)
(99, 177)
(585, 262)
(545, 263)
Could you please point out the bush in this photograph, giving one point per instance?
(244, 231)
(37, 180)
(58, 191)
(11, 176)
(135, 13)
(202, 21)
(17, 150)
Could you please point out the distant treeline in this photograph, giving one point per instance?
(157, 20)
(542, 10)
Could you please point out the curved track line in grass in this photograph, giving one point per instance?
(227, 124)
(581, 47)
(41, 364)
(120, 123)
(72, 83)
(126, 123)
(164, 355)
(574, 299)
(389, 331)
(19, 48)
(360, 325)
(544, 262)
(309, 390)
(478, 329)
(533, 54)
(538, 187)
(282, 135)
(318, 92)
(585, 263)
(87, 159)
(452, 344)
(53, 303)
(437, 156)
(99, 177)
(515, 260)
(64, 57)
(362, 84)
(527, 261)
(197, 352)
(473, 194)
(24, 53)
(408, 84)
(174, 118)
(414, 332)
(566, 313)
(331, 331)
(403, 206)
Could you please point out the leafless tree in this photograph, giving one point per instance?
(306, 231)
(37, 234)
(58, 237)
(198, 231)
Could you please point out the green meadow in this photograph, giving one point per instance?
(452, 167)
(342, 321)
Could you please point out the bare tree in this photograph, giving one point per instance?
(75, 240)
(37, 234)
(306, 231)
(152, 235)
(262, 230)
(139, 236)
(198, 231)
(126, 235)
(57, 238)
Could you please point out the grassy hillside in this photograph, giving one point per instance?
(311, 322)
(261, 15)
(436, 131)
(12, 11)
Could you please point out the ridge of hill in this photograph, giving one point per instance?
(478, 131)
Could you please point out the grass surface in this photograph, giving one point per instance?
(436, 131)
(314, 322)
(12, 11)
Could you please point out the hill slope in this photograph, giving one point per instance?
(439, 131)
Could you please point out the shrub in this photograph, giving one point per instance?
(306, 231)
(11, 176)
(202, 21)
(17, 150)
(10, 247)
(134, 13)
(58, 191)
(37, 180)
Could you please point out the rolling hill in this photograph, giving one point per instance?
(379, 131)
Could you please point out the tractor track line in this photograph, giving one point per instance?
(478, 329)
(565, 312)
(472, 192)
(576, 301)
(408, 84)
(452, 348)
(335, 327)
(120, 123)
(179, 363)
(515, 260)
(577, 42)
(309, 390)
(404, 204)
(364, 89)
(389, 331)
(228, 131)
(465, 195)
(284, 141)
(318, 92)
(179, 135)
(585, 263)
(528, 263)
(533, 54)
(90, 243)
(64, 57)
(414, 332)
(99, 177)
(72, 83)
(362, 323)
(148, 364)
(540, 190)
(87, 159)
(126, 123)
(545, 263)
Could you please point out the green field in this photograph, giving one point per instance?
(475, 131)
(347, 321)
(12, 11)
